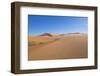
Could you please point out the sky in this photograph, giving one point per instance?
(39, 24)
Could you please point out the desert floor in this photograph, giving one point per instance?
(67, 46)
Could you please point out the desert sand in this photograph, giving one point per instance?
(63, 46)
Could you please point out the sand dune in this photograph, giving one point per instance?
(66, 46)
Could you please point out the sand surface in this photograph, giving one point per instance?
(67, 46)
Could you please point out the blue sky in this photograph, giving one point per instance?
(39, 24)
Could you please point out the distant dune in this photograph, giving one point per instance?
(64, 46)
(46, 34)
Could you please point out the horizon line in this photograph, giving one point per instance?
(57, 33)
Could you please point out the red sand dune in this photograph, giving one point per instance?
(66, 46)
